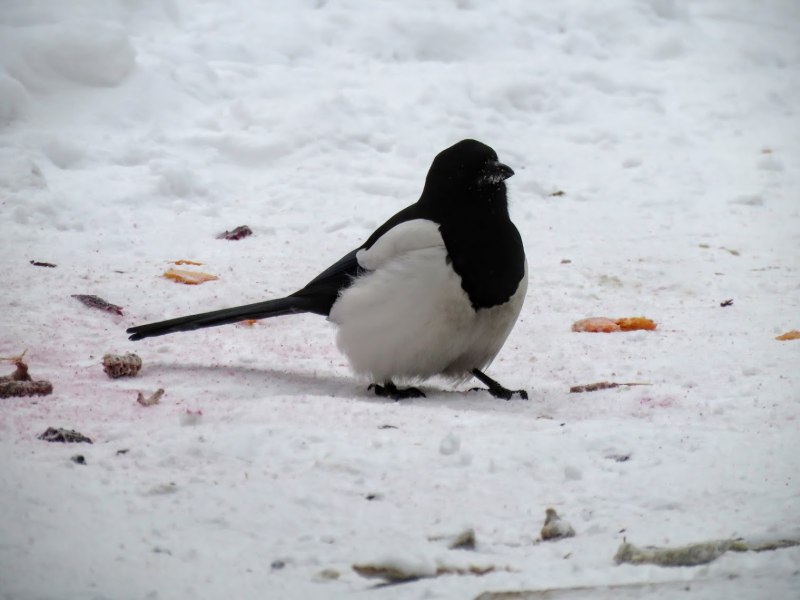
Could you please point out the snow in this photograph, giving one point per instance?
(132, 133)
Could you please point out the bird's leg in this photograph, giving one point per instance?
(495, 389)
(390, 390)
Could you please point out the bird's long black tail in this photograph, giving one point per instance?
(259, 310)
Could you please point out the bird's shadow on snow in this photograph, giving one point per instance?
(264, 381)
(257, 381)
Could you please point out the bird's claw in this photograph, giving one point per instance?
(390, 390)
(501, 392)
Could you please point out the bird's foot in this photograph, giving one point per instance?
(501, 392)
(390, 390)
(495, 389)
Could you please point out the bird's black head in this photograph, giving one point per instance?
(468, 169)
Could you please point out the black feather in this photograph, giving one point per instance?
(321, 292)
(259, 310)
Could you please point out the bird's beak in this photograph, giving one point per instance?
(503, 171)
(497, 172)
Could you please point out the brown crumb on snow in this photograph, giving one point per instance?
(93, 301)
(152, 399)
(65, 436)
(236, 234)
(601, 385)
(555, 528)
(789, 335)
(121, 365)
(20, 383)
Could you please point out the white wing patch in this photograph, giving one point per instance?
(406, 237)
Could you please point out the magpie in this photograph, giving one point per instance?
(433, 291)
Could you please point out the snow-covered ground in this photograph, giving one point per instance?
(133, 132)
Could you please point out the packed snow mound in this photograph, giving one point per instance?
(13, 98)
(49, 57)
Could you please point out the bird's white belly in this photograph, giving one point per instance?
(410, 319)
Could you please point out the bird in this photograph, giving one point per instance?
(434, 291)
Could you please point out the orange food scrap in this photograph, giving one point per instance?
(606, 325)
(794, 334)
(595, 325)
(635, 323)
(249, 322)
(189, 277)
(183, 261)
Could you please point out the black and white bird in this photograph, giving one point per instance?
(433, 291)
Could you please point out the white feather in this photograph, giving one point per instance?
(400, 239)
(410, 319)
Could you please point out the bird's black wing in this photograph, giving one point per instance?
(321, 292)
